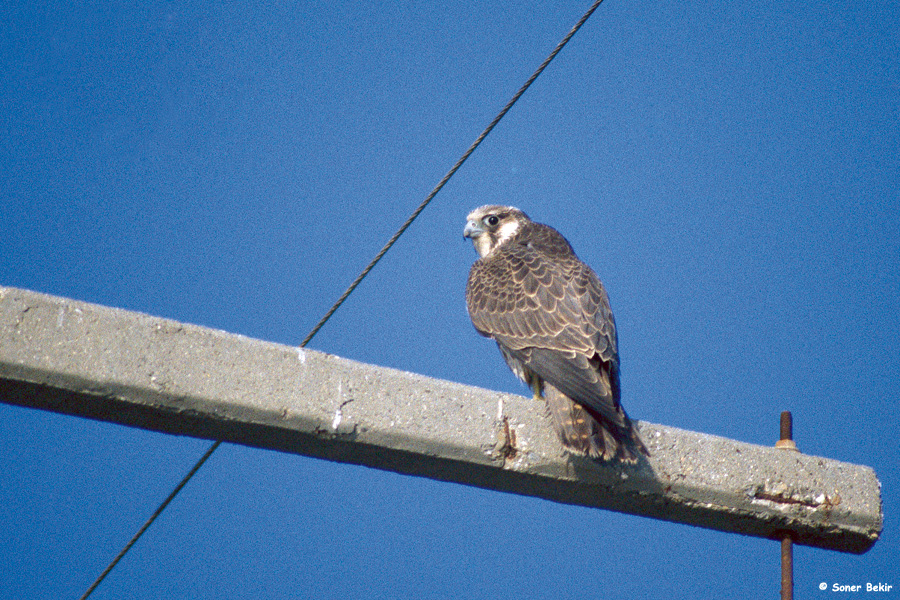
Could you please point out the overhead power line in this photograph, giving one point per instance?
(451, 172)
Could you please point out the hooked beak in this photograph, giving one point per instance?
(472, 230)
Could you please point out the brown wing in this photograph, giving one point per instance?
(549, 310)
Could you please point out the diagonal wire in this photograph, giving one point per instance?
(152, 518)
(359, 278)
(451, 172)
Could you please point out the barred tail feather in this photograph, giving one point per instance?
(581, 432)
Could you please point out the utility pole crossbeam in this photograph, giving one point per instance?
(123, 367)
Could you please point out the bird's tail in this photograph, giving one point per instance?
(583, 433)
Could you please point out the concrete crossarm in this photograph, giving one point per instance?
(104, 363)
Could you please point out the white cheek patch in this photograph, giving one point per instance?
(506, 231)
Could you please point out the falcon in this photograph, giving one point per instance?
(550, 316)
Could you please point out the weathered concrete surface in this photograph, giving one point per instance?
(104, 363)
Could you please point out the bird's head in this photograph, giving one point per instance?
(490, 226)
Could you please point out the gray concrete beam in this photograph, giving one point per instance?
(109, 364)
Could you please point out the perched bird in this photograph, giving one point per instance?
(550, 316)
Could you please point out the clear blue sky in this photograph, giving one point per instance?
(730, 170)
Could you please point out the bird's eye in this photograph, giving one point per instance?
(492, 220)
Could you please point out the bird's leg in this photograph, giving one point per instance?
(537, 387)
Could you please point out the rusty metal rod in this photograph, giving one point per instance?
(787, 568)
(787, 543)
(787, 425)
